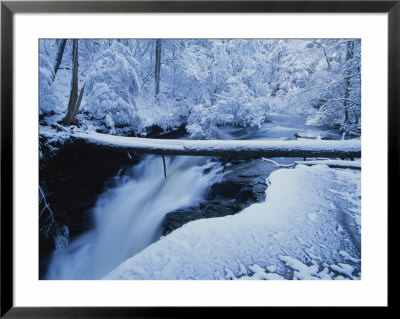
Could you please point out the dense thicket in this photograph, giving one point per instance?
(131, 85)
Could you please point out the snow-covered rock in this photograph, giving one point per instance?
(273, 240)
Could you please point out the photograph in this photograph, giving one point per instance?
(199, 158)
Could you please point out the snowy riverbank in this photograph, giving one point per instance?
(308, 228)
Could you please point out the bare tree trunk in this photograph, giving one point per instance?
(77, 105)
(59, 56)
(349, 56)
(174, 81)
(157, 66)
(73, 104)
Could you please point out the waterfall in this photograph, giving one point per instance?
(128, 217)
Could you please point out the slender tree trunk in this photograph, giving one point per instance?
(349, 56)
(59, 56)
(174, 82)
(77, 105)
(157, 66)
(70, 118)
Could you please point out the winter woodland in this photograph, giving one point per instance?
(200, 158)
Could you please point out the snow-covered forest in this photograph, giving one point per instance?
(241, 210)
(129, 85)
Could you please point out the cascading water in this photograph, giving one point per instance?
(129, 217)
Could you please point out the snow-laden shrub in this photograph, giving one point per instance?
(164, 112)
(295, 101)
(111, 89)
(203, 122)
(48, 101)
(239, 104)
(237, 107)
(327, 115)
(331, 115)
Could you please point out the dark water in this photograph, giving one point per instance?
(279, 127)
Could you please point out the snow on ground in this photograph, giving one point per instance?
(308, 228)
(333, 163)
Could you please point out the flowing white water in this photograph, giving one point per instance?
(129, 216)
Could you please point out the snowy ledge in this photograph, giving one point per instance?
(228, 148)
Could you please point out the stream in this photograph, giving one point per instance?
(129, 215)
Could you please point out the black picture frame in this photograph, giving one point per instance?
(9, 8)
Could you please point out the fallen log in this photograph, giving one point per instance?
(228, 148)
